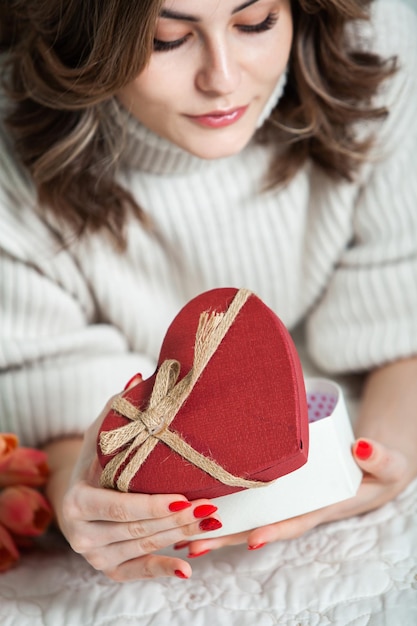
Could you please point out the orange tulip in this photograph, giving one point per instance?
(23, 466)
(8, 442)
(24, 511)
(8, 551)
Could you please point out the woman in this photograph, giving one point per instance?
(154, 150)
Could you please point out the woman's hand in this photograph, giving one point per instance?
(385, 476)
(118, 533)
(386, 452)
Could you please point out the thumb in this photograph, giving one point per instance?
(88, 465)
(135, 380)
(375, 459)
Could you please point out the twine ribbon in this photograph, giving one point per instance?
(146, 428)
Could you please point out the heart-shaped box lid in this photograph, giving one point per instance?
(225, 410)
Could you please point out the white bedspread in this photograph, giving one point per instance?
(357, 572)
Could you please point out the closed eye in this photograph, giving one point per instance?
(266, 24)
(162, 46)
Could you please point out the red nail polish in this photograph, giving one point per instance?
(193, 555)
(204, 510)
(256, 546)
(181, 544)
(139, 378)
(363, 450)
(180, 574)
(179, 506)
(210, 523)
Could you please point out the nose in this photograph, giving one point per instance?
(219, 72)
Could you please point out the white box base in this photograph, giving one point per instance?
(330, 475)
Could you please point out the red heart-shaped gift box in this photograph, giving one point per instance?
(246, 411)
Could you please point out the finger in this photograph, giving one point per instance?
(88, 450)
(90, 436)
(122, 551)
(199, 547)
(379, 462)
(87, 503)
(184, 524)
(280, 531)
(259, 537)
(88, 465)
(286, 529)
(132, 382)
(150, 566)
(371, 495)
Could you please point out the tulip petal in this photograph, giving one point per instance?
(24, 466)
(24, 511)
(8, 442)
(8, 551)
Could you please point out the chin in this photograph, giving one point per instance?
(216, 151)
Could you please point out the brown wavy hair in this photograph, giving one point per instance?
(66, 59)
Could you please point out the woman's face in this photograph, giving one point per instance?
(214, 66)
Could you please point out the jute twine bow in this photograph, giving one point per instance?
(146, 428)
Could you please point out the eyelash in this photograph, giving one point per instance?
(268, 23)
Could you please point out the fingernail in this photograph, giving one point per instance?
(194, 555)
(181, 544)
(179, 506)
(363, 450)
(204, 510)
(139, 378)
(180, 574)
(256, 546)
(210, 523)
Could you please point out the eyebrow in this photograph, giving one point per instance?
(175, 15)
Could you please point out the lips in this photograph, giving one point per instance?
(219, 119)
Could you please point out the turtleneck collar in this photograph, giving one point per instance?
(145, 150)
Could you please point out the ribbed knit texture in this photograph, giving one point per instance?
(76, 323)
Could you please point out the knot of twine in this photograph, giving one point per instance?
(146, 428)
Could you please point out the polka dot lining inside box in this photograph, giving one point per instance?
(320, 405)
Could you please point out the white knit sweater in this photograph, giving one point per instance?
(76, 323)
